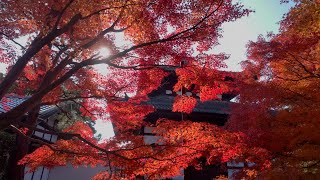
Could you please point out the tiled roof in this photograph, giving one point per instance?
(164, 102)
(13, 101)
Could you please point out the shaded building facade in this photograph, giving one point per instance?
(215, 112)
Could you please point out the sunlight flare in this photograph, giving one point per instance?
(104, 52)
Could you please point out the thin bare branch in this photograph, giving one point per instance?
(57, 57)
(21, 46)
(140, 67)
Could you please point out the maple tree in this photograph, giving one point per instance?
(273, 127)
(279, 100)
(55, 66)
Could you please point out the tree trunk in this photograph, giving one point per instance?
(16, 172)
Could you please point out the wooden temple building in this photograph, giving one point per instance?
(215, 112)
(46, 119)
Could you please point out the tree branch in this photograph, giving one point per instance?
(18, 111)
(107, 8)
(140, 67)
(34, 48)
(62, 12)
(22, 47)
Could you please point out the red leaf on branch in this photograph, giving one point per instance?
(184, 104)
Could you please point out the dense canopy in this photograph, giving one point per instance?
(282, 108)
(273, 126)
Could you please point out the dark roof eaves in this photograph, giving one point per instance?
(45, 111)
(216, 107)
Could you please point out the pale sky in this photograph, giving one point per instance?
(235, 37)
(237, 34)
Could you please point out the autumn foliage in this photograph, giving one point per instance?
(280, 95)
(55, 66)
(272, 127)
